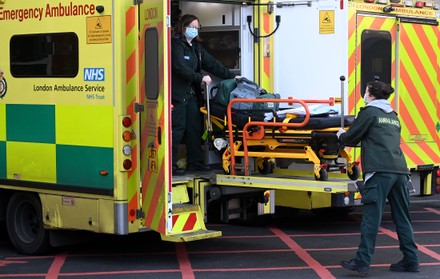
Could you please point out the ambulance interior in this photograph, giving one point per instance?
(220, 32)
(225, 34)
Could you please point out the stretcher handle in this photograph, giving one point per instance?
(208, 105)
(342, 79)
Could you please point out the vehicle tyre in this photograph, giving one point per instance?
(355, 174)
(25, 225)
(323, 175)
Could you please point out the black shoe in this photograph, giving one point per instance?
(403, 266)
(197, 167)
(178, 171)
(353, 266)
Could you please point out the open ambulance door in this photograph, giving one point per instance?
(177, 219)
(403, 51)
(154, 94)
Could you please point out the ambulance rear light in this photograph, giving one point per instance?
(369, 1)
(127, 164)
(126, 136)
(132, 212)
(419, 4)
(126, 122)
(127, 150)
(435, 6)
(382, 2)
(408, 3)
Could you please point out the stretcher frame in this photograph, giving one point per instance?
(281, 140)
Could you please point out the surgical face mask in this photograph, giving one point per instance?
(191, 33)
(365, 99)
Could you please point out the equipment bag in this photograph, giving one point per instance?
(223, 90)
(267, 106)
(243, 88)
(247, 89)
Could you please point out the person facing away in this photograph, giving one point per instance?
(189, 58)
(386, 176)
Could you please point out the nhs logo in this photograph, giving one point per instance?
(94, 74)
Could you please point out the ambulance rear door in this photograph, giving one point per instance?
(403, 51)
(155, 117)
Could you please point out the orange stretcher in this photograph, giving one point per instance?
(290, 137)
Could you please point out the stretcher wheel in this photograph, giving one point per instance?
(323, 175)
(265, 166)
(356, 172)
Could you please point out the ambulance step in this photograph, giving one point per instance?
(191, 236)
(188, 224)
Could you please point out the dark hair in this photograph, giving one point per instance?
(185, 21)
(380, 90)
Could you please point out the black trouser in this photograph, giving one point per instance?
(377, 189)
(186, 123)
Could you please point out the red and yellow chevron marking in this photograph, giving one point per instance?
(154, 190)
(354, 70)
(353, 61)
(418, 82)
(358, 23)
(418, 90)
(184, 222)
(131, 91)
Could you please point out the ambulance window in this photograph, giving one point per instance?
(223, 44)
(151, 63)
(44, 55)
(376, 56)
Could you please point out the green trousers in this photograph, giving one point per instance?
(377, 189)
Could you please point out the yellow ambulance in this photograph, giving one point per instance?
(85, 107)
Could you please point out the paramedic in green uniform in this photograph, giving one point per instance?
(386, 176)
(189, 58)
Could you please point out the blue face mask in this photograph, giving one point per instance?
(191, 33)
